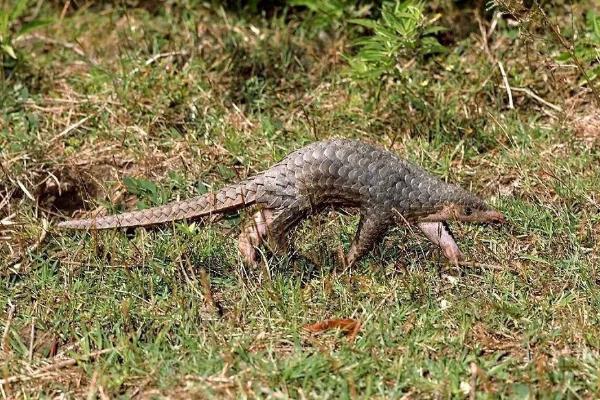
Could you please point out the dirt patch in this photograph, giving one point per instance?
(491, 341)
(587, 128)
(67, 190)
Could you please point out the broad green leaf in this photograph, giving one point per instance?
(148, 186)
(368, 23)
(131, 185)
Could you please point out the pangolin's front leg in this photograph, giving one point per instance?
(371, 228)
(440, 235)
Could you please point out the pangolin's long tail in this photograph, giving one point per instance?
(230, 198)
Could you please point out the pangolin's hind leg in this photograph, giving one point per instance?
(439, 234)
(371, 228)
(254, 234)
(268, 227)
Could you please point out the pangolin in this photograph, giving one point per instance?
(386, 190)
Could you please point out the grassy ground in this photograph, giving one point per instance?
(113, 107)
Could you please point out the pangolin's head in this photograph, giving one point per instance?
(453, 203)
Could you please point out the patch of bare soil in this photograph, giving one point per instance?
(587, 128)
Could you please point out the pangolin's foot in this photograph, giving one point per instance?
(440, 235)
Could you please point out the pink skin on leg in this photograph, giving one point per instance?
(246, 244)
(253, 235)
(438, 234)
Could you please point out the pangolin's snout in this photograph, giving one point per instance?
(495, 217)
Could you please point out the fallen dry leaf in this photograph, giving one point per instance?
(349, 326)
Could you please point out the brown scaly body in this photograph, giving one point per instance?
(341, 173)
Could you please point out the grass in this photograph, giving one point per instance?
(112, 108)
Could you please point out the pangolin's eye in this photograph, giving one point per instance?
(468, 211)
